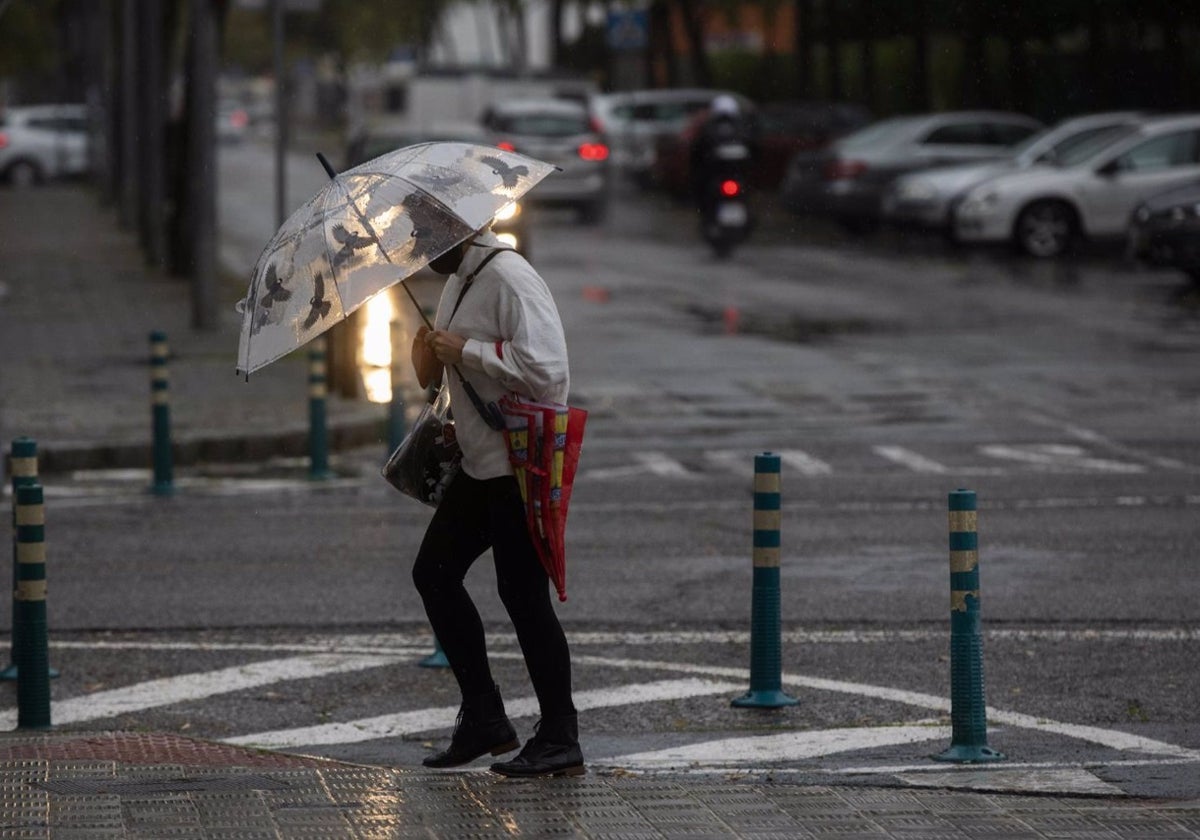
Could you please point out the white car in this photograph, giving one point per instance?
(927, 199)
(39, 142)
(1090, 192)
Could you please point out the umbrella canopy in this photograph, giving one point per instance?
(368, 229)
(544, 441)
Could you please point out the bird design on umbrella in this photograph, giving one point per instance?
(510, 175)
(320, 306)
(350, 241)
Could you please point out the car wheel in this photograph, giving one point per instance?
(1045, 229)
(24, 173)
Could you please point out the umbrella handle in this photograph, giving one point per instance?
(329, 170)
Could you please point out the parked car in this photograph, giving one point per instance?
(233, 122)
(560, 132)
(1165, 230)
(780, 130)
(1091, 192)
(380, 137)
(633, 121)
(926, 199)
(847, 181)
(40, 142)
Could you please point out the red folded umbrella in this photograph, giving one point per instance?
(544, 441)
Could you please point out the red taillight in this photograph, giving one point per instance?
(730, 188)
(593, 151)
(843, 170)
(3, 140)
(239, 118)
(506, 146)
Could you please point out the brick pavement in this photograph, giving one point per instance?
(77, 304)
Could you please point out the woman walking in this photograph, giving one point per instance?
(498, 324)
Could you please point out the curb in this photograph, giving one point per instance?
(202, 448)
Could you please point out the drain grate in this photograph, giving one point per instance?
(126, 787)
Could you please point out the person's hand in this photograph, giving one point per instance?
(426, 365)
(446, 346)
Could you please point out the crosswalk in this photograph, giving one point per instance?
(624, 670)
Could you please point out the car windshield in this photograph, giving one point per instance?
(1090, 145)
(544, 125)
(879, 132)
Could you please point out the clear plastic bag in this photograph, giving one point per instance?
(429, 457)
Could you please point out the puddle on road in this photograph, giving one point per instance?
(795, 328)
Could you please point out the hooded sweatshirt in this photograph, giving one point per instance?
(515, 343)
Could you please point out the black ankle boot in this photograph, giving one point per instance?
(482, 727)
(552, 751)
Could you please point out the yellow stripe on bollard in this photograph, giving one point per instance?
(24, 467)
(30, 515)
(30, 590)
(958, 599)
(964, 561)
(964, 520)
(31, 552)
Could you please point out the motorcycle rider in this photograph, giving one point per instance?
(722, 149)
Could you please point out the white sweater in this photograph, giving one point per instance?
(515, 342)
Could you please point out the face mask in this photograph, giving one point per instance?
(448, 262)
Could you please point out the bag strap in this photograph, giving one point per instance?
(490, 412)
(470, 278)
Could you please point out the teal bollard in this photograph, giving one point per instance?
(437, 659)
(32, 650)
(318, 391)
(968, 708)
(23, 467)
(766, 656)
(160, 408)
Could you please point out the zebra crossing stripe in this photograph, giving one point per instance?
(428, 720)
(197, 686)
(912, 460)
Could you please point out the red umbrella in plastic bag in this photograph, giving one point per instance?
(544, 441)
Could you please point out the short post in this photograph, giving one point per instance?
(23, 468)
(32, 653)
(395, 420)
(437, 659)
(766, 658)
(318, 391)
(160, 402)
(968, 709)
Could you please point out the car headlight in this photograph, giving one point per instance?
(979, 201)
(508, 211)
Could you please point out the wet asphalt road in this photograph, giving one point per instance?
(887, 371)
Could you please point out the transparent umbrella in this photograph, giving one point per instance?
(368, 229)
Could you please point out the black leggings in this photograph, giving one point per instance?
(473, 516)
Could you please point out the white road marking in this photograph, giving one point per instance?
(1094, 437)
(1058, 457)
(804, 463)
(196, 686)
(912, 460)
(401, 644)
(426, 720)
(786, 746)
(656, 463)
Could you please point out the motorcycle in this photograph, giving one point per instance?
(725, 218)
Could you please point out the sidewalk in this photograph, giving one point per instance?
(77, 306)
(97, 785)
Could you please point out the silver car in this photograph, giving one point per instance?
(560, 132)
(1091, 192)
(926, 199)
(40, 142)
(848, 179)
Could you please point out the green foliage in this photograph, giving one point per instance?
(28, 37)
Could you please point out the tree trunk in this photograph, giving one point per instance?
(833, 50)
(693, 25)
(920, 33)
(803, 37)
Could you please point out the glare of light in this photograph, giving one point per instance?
(376, 349)
(506, 212)
(508, 239)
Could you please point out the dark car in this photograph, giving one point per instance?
(1165, 230)
(847, 181)
(780, 130)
